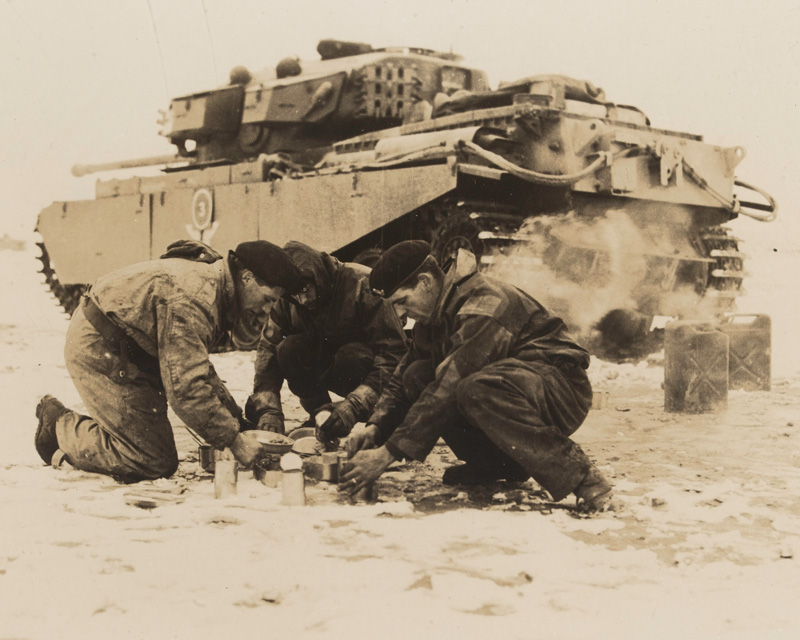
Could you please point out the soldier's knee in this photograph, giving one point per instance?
(158, 467)
(470, 392)
(295, 352)
(352, 362)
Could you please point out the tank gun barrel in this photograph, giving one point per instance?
(79, 170)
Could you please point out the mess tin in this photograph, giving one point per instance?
(273, 442)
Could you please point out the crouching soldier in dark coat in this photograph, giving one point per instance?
(141, 339)
(333, 335)
(490, 371)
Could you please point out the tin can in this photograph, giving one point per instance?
(600, 400)
(341, 464)
(226, 474)
(365, 494)
(330, 467)
(205, 455)
(293, 488)
(695, 367)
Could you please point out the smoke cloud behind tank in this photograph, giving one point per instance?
(598, 273)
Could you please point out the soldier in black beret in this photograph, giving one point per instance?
(140, 340)
(490, 371)
(332, 336)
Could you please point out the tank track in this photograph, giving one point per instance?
(488, 229)
(68, 295)
(726, 274)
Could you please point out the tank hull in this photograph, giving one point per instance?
(578, 200)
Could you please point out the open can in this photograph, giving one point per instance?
(205, 455)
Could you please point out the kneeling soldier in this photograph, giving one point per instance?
(333, 335)
(490, 371)
(141, 339)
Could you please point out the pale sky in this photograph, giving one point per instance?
(83, 80)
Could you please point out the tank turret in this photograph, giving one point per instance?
(302, 108)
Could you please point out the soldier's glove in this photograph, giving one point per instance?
(245, 424)
(343, 416)
(271, 422)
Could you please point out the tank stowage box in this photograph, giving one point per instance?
(749, 352)
(695, 367)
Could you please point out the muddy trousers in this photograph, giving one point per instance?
(311, 375)
(128, 435)
(515, 416)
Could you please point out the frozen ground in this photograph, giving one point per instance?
(706, 546)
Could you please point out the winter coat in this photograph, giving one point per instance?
(346, 312)
(177, 310)
(477, 320)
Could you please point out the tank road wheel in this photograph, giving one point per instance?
(68, 295)
(458, 231)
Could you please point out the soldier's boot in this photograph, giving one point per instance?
(594, 493)
(48, 411)
(472, 474)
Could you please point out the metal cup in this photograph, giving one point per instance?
(293, 488)
(226, 474)
(330, 467)
(205, 453)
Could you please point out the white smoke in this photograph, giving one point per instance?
(581, 267)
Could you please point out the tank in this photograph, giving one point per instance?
(605, 218)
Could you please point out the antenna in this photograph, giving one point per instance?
(160, 53)
(210, 42)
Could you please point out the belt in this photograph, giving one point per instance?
(129, 350)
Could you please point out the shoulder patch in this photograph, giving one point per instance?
(481, 305)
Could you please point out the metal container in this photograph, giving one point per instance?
(273, 442)
(323, 467)
(600, 400)
(267, 471)
(293, 488)
(365, 494)
(226, 474)
(205, 454)
(695, 367)
(330, 467)
(749, 352)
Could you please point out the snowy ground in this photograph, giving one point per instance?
(706, 546)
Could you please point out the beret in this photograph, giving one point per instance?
(397, 265)
(270, 263)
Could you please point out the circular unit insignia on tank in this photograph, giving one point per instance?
(202, 209)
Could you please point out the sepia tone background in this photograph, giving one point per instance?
(706, 545)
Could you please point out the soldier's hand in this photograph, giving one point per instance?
(362, 437)
(270, 422)
(339, 423)
(245, 424)
(365, 467)
(246, 449)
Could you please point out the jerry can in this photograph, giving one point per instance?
(695, 367)
(749, 351)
